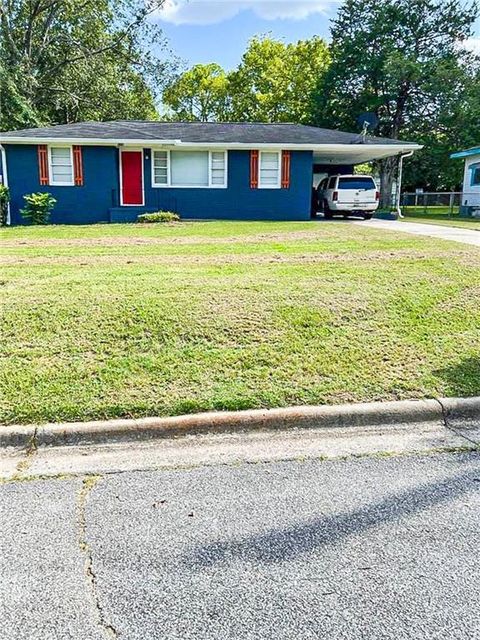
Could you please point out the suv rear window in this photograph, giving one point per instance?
(356, 183)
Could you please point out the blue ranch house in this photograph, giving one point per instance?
(113, 171)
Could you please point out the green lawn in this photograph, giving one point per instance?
(439, 215)
(128, 320)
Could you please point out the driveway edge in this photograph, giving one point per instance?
(461, 414)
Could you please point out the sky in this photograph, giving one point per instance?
(203, 31)
(218, 30)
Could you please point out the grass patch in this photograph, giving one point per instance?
(440, 215)
(126, 320)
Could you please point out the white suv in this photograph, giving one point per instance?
(348, 195)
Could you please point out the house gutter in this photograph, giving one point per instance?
(300, 146)
(3, 155)
(399, 181)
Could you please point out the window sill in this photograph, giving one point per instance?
(177, 186)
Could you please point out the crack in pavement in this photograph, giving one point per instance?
(30, 452)
(88, 484)
(452, 429)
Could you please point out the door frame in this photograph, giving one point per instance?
(120, 171)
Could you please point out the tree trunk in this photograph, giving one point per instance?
(388, 170)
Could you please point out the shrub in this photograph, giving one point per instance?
(4, 200)
(38, 207)
(159, 216)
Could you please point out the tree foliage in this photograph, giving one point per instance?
(273, 83)
(70, 60)
(201, 93)
(456, 126)
(402, 60)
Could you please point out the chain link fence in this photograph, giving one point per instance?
(444, 204)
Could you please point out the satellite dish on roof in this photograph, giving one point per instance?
(368, 121)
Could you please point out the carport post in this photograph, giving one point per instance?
(399, 182)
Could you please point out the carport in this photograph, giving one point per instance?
(342, 158)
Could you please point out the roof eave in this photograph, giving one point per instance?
(300, 146)
(107, 142)
(465, 154)
(399, 147)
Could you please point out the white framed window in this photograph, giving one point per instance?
(189, 169)
(475, 174)
(269, 170)
(60, 165)
(160, 167)
(218, 161)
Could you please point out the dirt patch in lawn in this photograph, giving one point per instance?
(124, 240)
(217, 260)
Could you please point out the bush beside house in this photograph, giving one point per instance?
(38, 207)
(4, 200)
(159, 216)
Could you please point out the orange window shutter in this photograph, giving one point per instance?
(43, 163)
(285, 169)
(254, 169)
(77, 166)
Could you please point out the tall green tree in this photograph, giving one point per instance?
(67, 60)
(201, 93)
(15, 109)
(401, 59)
(275, 81)
(456, 126)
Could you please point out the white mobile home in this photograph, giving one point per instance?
(471, 182)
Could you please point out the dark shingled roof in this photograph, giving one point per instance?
(198, 132)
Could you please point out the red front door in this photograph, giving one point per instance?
(132, 177)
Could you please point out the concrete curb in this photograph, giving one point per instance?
(17, 437)
(377, 414)
(464, 410)
(463, 414)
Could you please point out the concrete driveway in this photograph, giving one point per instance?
(466, 236)
(377, 548)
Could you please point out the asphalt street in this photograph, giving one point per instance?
(372, 547)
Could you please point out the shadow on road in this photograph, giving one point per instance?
(280, 545)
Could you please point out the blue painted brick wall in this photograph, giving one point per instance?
(97, 199)
(75, 205)
(239, 201)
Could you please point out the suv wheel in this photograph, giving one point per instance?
(328, 215)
